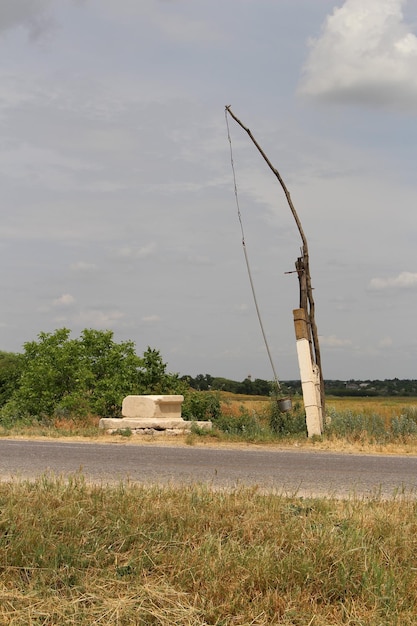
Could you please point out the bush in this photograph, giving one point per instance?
(10, 372)
(288, 423)
(403, 426)
(246, 424)
(201, 406)
(354, 425)
(88, 375)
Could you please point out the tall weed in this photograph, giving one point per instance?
(351, 425)
(287, 423)
(355, 426)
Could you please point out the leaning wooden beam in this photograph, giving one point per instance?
(302, 264)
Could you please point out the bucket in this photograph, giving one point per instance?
(284, 405)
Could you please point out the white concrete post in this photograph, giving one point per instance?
(310, 378)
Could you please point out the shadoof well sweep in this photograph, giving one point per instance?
(308, 348)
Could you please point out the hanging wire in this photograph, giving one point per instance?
(247, 259)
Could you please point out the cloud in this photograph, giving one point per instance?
(151, 319)
(65, 300)
(366, 54)
(95, 318)
(181, 30)
(173, 24)
(385, 342)
(82, 266)
(331, 341)
(129, 252)
(31, 14)
(43, 167)
(405, 280)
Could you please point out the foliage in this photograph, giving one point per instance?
(206, 382)
(368, 388)
(341, 388)
(91, 374)
(65, 375)
(10, 371)
(201, 406)
(246, 425)
(154, 378)
(405, 424)
(353, 425)
(287, 423)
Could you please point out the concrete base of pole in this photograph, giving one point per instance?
(310, 375)
(310, 383)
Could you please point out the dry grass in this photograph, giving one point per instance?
(385, 407)
(232, 406)
(75, 554)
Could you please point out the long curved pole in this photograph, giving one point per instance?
(302, 264)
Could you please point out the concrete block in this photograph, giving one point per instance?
(151, 406)
(147, 424)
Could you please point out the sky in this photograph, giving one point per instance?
(117, 196)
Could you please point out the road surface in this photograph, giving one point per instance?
(281, 471)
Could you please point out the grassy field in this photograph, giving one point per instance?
(73, 554)
(387, 407)
(78, 554)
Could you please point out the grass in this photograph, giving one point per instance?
(382, 425)
(85, 427)
(387, 408)
(79, 554)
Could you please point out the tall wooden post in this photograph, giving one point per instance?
(303, 270)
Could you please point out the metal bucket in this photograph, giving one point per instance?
(285, 405)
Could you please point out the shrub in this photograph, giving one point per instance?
(88, 375)
(245, 424)
(403, 426)
(354, 425)
(10, 372)
(288, 423)
(201, 406)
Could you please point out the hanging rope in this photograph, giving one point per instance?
(247, 259)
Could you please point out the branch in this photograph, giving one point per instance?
(278, 175)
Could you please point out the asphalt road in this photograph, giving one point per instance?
(281, 471)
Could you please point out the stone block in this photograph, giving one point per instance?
(152, 406)
(145, 414)
(146, 424)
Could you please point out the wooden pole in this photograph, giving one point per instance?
(302, 266)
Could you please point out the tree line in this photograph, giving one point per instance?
(64, 376)
(206, 382)
(258, 386)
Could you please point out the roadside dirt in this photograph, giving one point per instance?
(337, 446)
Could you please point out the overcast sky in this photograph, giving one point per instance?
(117, 200)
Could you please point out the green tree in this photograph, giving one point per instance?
(90, 374)
(112, 370)
(52, 373)
(154, 377)
(10, 372)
